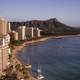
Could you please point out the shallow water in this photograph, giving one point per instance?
(59, 58)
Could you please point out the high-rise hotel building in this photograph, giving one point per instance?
(4, 44)
(30, 32)
(3, 26)
(9, 27)
(33, 32)
(14, 35)
(22, 32)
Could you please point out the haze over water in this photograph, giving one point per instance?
(59, 58)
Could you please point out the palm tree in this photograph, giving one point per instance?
(17, 67)
(25, 72)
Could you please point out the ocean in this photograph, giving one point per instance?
(59, 58)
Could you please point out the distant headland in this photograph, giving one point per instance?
(49, 27)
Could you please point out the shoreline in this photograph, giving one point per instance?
(20, 47)
(25, 44)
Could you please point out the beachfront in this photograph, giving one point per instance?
(20, 47)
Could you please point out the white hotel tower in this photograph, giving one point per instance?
(22, 32)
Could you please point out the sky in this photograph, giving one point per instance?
(67, 11)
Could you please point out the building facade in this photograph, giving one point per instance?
(4, 44)
(8, 27)
(14, 35)
(22, 32)
(33, 32)
(3, 26)
(30, 32)
(38, 32)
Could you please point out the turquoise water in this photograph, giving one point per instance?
(59, 58)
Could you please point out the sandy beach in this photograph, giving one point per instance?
(20, 47)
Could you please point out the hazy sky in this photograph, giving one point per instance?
(67, 11)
